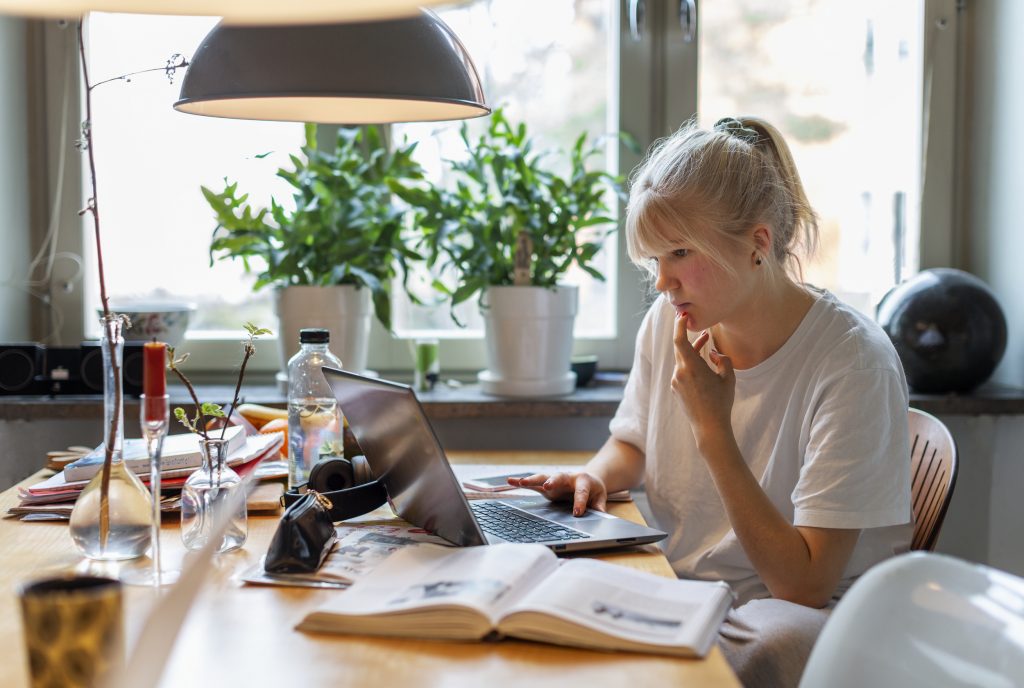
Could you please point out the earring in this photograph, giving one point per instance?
(758, 261)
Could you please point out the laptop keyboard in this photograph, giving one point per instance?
(515, 525)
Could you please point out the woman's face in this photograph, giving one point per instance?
(701, 288)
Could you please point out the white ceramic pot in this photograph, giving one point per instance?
(344, 310)
(528, 333)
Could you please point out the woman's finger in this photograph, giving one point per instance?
(581, 496)
(535, 480)
(700, 341)
(560, 484)
(687, 352)
(724, 363)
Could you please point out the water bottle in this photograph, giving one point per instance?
(314, 421)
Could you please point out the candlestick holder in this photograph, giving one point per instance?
(154, 418)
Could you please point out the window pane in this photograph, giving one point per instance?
(150, 163)
(549, 63)
(842, 82)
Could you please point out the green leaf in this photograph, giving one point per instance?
(209, 409)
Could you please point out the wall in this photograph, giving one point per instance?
(986, 516)
(14, 190)
(994, 154)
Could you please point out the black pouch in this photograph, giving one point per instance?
(304, 537)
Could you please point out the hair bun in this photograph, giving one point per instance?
(734, 127)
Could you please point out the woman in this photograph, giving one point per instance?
(767, 420)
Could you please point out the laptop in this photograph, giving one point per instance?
(404, 454)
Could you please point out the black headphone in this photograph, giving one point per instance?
(348, 484)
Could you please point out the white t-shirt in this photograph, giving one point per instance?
(822, 423)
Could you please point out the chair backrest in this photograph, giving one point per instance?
(933, 468)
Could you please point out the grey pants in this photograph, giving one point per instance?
(767, 642)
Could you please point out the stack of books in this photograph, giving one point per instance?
(54, 497)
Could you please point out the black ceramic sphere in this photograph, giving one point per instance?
(948, 330)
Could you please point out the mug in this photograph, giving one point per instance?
(74, 630)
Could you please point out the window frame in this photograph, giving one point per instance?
(659, 71)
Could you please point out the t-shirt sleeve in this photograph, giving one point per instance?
(856, 469)
(630, 421)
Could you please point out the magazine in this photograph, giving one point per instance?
(525, 591)
(359, 549)
(179, 451)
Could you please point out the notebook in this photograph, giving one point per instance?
(403, 452)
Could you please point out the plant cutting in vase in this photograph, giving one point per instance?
(511, 221)
(215, 480)
(347, 228)
(101, 539)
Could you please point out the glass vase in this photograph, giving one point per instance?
(110, 519)
(205, 493)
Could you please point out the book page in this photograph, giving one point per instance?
(486, 579)
(626, 603)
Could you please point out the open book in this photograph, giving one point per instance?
(525, 591)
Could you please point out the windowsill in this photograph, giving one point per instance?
(599, 399)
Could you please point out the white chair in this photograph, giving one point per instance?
(924, 619)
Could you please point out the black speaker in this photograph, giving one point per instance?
(34, 369)
(21, 366)
(90, 367)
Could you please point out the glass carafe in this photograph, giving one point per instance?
(111, 523)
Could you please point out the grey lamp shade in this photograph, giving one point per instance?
(400, 70)
(232, 11)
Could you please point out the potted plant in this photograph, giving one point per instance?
(509, 231)
(337, 251)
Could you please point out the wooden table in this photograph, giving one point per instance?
(239, 635)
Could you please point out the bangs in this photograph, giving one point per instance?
(655, 227)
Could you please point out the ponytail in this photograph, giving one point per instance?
(800, 232)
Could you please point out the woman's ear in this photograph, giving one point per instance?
(762, 237)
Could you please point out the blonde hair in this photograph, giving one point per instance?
(698, 184)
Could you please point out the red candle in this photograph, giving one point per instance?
(154, 378)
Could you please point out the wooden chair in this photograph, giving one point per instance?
(933, 468)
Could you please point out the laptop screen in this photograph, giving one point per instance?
(404, 454)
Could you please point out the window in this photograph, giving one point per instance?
(841, 80)
(844, 81)
(555, 76)
(150, 163)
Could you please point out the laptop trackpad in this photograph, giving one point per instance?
(560, 512)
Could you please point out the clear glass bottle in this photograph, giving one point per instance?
(314, 421)
(111, 522)
(205, 493)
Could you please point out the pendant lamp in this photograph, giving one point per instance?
(232, 11)
(412, 69)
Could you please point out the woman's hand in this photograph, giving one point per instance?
(706, 394)
(583, 489)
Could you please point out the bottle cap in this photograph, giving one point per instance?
(311, 335)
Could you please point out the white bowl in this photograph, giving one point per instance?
(165, 322)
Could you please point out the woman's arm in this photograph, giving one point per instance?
(800, 564)
(617, 466)
(797, 563)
